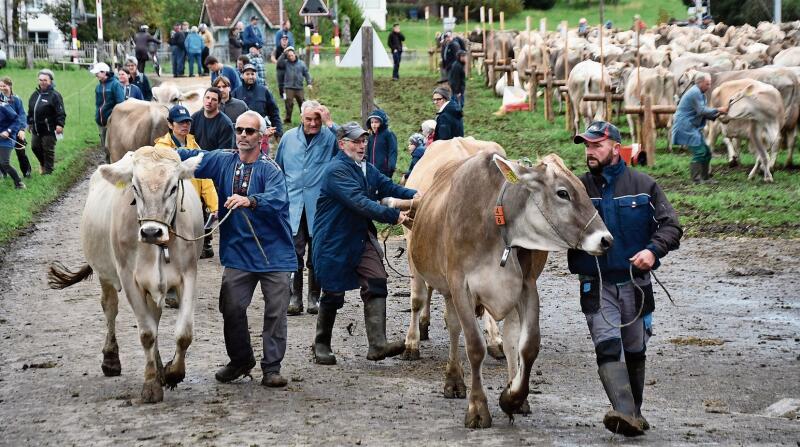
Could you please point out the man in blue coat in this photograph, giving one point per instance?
(687, 127)
(303, 155)
(346, 251)
(259, 99)
(255, 247)
(252, 35)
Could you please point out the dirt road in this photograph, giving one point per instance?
(739, 298)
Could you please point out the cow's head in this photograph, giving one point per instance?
(552, 210)
(155, 177)
(170, 95)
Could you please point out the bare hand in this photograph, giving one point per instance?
(644, 260)
(270, 132)
(723, 109)
(4, 134)
(402, 218)
(21, 135)
(236, 201)
(325, 114)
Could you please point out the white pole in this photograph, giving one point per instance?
(99, 12)
(280, 12)
(777, 11)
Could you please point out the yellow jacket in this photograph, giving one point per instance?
(205, 187)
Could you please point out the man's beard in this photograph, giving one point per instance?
(598, 169)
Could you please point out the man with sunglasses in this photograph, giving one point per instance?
(346, 251)
(449, 117)
(211, 128)
(303, 155)
(255, 247)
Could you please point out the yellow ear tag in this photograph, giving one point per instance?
(121, 184)
(511, 177)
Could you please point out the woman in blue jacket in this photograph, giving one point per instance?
(18, 134)
(194, 47)
(9, 125)
(382, 144)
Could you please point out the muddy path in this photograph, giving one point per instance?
(737, 297)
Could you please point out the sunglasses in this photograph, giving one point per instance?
(249, 131)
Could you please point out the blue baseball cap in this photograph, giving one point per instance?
(598, 131)
(179, 114)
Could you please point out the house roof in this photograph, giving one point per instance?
(225, 13)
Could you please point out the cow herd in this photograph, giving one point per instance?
(750, 66)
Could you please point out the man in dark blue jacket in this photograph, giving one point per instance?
(449, 117)
(382, 144)
(252, 35)
(108, 93)
(619, 311)
(345, 249)
(255, 247)
(258, 98)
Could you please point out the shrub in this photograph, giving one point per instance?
(540, 4)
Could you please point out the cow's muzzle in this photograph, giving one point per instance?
(153, 233)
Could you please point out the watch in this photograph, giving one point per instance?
(253, 201)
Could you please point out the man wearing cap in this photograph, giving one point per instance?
(286, 30)
(46, 119)
(294, 72)
(449, 117)
(138, 78)
(255, 248)
(212, 129)
(218, 69)
(457, 78)
(687, 128)
(619, 311)
(259, 99)
(179, 121)
(252, 35)
(257, 62)
(303, 155)
(108, 93)
(346, 251)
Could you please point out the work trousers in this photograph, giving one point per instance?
(301, 240)
(141, 59)
(701, 153)
(370, 267)
(235, 295)
(292, 95)
(397, 56)
(203, 57)
(5, 165)
(178, 55)
(44, 148)
(195, 61)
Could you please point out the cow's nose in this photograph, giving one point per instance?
(150, 233)
(606, 241)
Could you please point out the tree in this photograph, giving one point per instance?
(121, 19)
(179, 11)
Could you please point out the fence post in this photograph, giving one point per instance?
(29, 57)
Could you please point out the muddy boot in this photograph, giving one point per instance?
(696, 172)
(375, 322)
(323, 355)
(705, 174)
(621, 419)
(296, 298)
(636, 376)
(313, 293)
(231, 372)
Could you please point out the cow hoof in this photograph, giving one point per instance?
(511, 406)
(478, 416)
(152, 392)
(734, 162)
(410, 354)
(454, 388)
(173, 376)
(496, 352)
(423, 331)
(111, 366)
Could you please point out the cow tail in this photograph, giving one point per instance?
(60, 277)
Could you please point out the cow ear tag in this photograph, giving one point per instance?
(121, 185)
(510, 176)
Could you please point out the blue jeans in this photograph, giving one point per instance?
(177, 61)
(396, 57)
(194, 59)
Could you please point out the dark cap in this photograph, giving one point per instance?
(351, 131)
(179, 114)
(249, 67)
(256, 45)
(598, 131)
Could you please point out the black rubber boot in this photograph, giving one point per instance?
(323, 355)
(231, 372)
(636, 371)
(696, 172)
(622, 418)
(705, 174)
(375, 322)
(296, 298)
(313, 293)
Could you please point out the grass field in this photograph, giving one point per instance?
(17, 207)
(419, 35)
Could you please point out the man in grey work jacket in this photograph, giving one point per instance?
(619, 312)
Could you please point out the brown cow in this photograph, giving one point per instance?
(458, 248)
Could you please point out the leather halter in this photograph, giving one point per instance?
(171, 225)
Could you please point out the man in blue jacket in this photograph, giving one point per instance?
(218, 69)
(346, 251)
(258, 98)
(687, 127)
(382, 143)
(252, 35)
(303, 155)
(108, 93)
(255, 248)
(619, 311)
